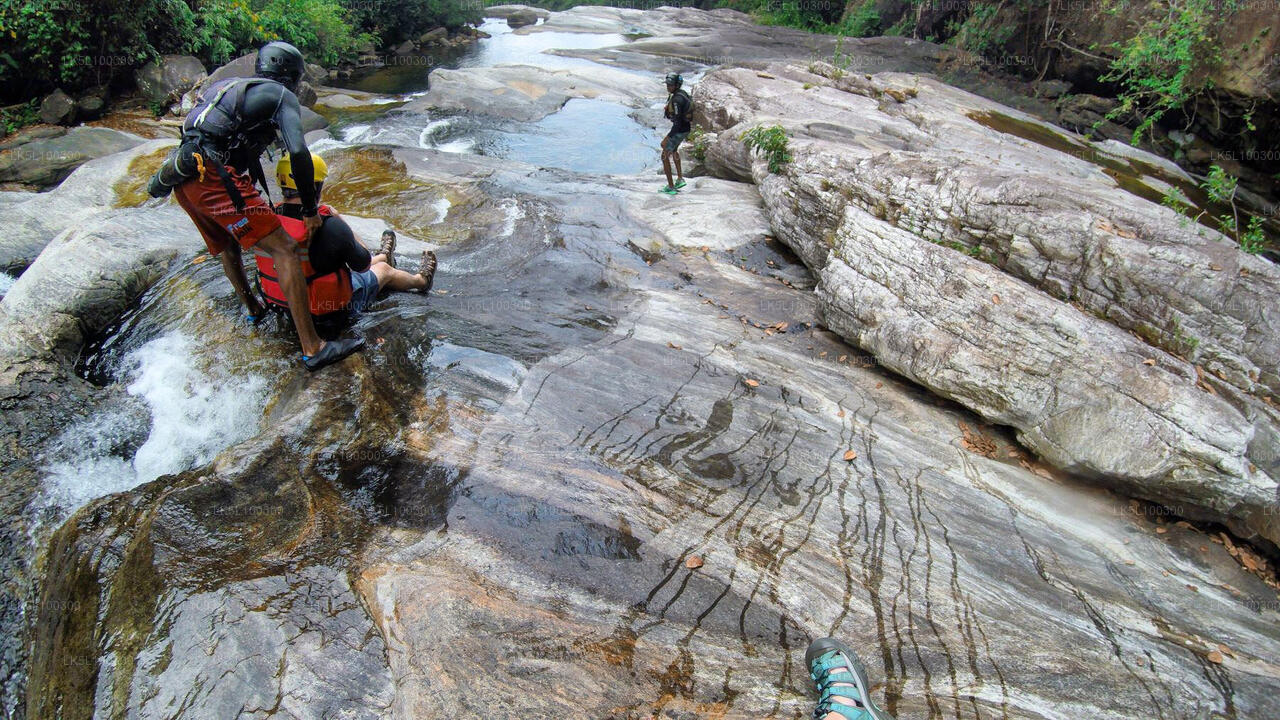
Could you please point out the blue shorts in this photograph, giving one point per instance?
(364, 290)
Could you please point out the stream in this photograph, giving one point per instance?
(613, 466)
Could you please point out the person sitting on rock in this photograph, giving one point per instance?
(679, 110)
(841, 681)
(212, 174)
(341, 276)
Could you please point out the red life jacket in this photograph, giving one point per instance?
(327, 292)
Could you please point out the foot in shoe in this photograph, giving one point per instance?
(388, 247)
(331, 352)
(841, 681)
(428, 269)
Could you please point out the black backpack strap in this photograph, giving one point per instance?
(255, 171)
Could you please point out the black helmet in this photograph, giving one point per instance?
(675, 79)
(282, 62)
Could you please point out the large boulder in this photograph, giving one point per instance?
(43, 163)
(1048, 211)
(529, 93)
(91, 104)
(438, 35)
(57, 108)
(312, 120)
(165, 80)
(520, 11)
(242, 66)
(522, 17)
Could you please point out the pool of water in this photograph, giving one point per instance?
(588, 136)
(408, 74)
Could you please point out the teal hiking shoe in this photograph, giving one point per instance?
(668, 190)
(838, 672)
(680, 183)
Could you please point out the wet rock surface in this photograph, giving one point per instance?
(493, 509)
(525, 93)
(42, 163)
(939, 217)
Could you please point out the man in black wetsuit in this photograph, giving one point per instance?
(679, 110)
(212, 176)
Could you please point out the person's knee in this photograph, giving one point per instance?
(278, 243)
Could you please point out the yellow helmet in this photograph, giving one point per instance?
(284, 171)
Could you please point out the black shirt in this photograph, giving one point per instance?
(678, 110)
(334, 245)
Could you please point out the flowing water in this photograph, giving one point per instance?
(611, 466)
(185, 400)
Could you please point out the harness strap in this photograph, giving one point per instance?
(255, 171)
(199, 158)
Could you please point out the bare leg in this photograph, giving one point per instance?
(379, 258)
(666, 163)
(233, 266)
(396, 279)
(283, 251)
(679, 172)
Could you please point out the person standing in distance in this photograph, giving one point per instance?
(679, 110)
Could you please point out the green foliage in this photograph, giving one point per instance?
(815, 17)
(980, 32)
(1166, 63)
(19, 116)
(698, 141)
(394, 21)
(1221, 189)
(224, 29)
(864, 21)
(771, 142)
(82, 43)
(75, 44)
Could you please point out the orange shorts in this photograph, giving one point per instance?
(217, 219)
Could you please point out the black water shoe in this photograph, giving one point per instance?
(331, 352)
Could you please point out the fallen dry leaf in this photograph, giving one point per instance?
(673, 346)
(752, 383)
(842, 358)
(1149, 361)
(1161, 530)
(977, 443)
(1214, 267)
(199, 259)
(995, 299)
(693, 563)
(781, 327)
(840, 414)
(1225, 650)
(822, 354)
(850, 455)
(1215, 657)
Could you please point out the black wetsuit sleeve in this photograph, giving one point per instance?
(274, 101)
(335, 246)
